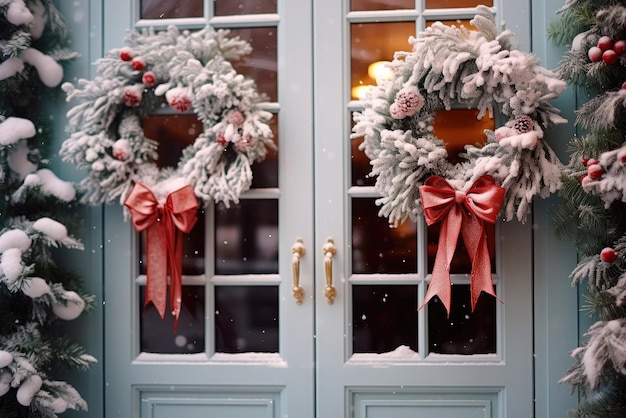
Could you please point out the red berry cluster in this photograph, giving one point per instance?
(607, 50)
(608, 255)
(594, 170)
(138, 64)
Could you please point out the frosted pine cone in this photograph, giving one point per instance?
(132, 96)
(409, 101)
(178, 99)
(235, 118)
(523, 124)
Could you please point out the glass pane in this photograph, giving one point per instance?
(244, 7)
(173, 133)
(358, 5)
(193, 249)
(361, 167)
(464, 332)
(265, 173)
(167, 9)
(461, 262)
(374, 42)
(377, 247)
(262, 63)
(447, 4)
(384, 317)
(246, 237)
(246, 319)
(157, 335)
(460, 127)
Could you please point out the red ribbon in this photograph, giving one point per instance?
(165, 225)
(464, 212)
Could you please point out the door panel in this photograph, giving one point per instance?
(244, 346)
(377, 353)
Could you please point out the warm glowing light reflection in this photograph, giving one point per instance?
(380, 70)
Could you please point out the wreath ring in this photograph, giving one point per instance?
(184, 71)
(451, 66)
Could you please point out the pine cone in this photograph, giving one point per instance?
(523, 124)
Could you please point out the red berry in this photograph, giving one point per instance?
(621, 155)
(138, 64)
(624, 85)
(594, 54)
(585, 180)
(619, 47)
(584, 161)
(149, 79)
(594, 171)
(126, 54)
(609, 57)
(591, 161)
(608, 255)
(605, 43)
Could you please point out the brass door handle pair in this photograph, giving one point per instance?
(298, 250)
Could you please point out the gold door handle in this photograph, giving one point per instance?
(329, 251)
(297, 251)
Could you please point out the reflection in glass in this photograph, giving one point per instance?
(168, 9)
(378, 248)
(157, 335)
(461, 262)
(246, 319)
(448, 4)
(361, 5)
(464, 332)
(244, 7)
(371, 42)
(265, 173)
(193, 249)
(261, 64)
(384, 317)
(246, 237)
(173, 133)
(361, 167)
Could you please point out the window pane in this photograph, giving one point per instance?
(244, 7)
(460, 127)
(261, 65)
(246, 319)
(167, 9)
(193, 249)
(464, 332)
(173, 133)
(246, 237)
(447, 4)
(373, 42)
(384, 317)
(361, 167)
(358, 5)
(265, 173)
(378, 248)
(157, 335)
(461, 262)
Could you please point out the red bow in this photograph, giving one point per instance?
(165, 225)
(464, 212)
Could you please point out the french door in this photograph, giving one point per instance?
(355, 344)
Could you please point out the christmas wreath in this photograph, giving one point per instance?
(185, 71)
(451, 66)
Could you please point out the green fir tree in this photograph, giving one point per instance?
(37, 296)
(593, 212)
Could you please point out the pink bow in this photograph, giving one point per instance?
(165, 225)
(464, 212)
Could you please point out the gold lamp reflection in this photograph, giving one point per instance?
(377, 71)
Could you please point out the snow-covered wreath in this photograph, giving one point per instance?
(451, 66)
(185, 71)
(480, 69)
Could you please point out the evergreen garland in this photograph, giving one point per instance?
(37, 216)
(593, 209)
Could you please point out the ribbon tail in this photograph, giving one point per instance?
(475, 238)
(440, 284)
(175, 255)
(156, 281)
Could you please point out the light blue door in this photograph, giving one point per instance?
(245, 347)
